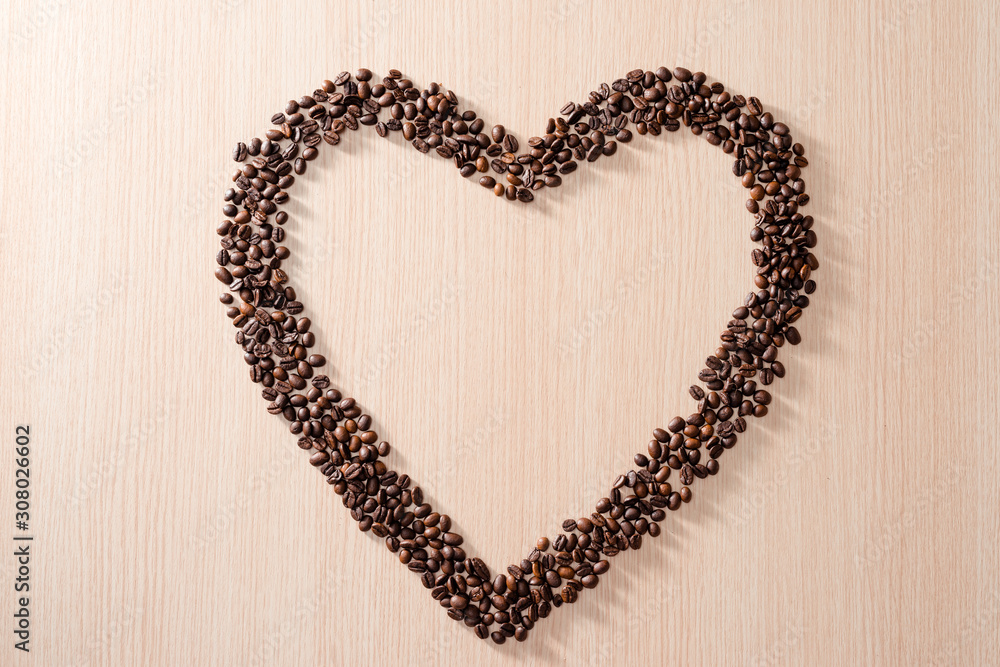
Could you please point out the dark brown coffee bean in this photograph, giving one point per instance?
(278, 345)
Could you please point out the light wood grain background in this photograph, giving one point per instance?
(515, 356)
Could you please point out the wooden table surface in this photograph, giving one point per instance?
(516, 356)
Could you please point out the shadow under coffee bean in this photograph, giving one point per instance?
(278, 345)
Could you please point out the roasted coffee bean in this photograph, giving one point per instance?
(278, 344)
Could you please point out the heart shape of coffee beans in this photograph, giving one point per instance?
(277, 343)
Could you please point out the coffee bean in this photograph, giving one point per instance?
(278, 344)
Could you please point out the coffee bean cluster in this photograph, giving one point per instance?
(279, 347)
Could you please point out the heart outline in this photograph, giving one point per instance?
(353, 463)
